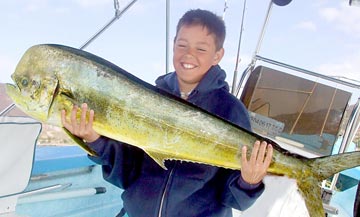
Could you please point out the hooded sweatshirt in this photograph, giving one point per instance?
(184, 189)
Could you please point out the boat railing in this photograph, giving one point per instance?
(118, 14)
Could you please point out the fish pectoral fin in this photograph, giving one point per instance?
(81, 143)
(68, 95)
(158, 158)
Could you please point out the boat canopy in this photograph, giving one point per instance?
(354, 2)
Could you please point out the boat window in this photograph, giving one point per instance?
(294, 110)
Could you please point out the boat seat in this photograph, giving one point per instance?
(18, 136)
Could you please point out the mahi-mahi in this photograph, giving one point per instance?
(50, 78)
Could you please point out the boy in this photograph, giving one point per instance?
(185, 189)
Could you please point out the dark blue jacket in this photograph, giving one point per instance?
(185, 189)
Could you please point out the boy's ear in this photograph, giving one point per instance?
(218, 56)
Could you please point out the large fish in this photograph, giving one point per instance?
(50, 78)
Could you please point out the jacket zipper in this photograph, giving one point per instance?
(165, 190)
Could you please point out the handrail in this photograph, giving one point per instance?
(351, 128)
(118, 14)
(308, 72)
(233, 87)
(246, 73)
(7, 110)
(167, 33)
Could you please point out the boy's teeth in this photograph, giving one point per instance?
(188, 66)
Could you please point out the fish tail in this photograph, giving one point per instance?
(320, 169)
(325, 167)
(311, 192)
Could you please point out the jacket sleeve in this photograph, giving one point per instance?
(120, 161)
(239, 194)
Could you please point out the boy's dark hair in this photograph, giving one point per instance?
(214, 24)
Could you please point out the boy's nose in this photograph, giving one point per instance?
(190, 51)
(189, 56)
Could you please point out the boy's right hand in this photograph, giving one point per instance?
(81, 128)
(254, 170)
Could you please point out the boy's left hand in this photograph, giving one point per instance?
(254, 170)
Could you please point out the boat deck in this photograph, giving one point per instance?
(78, 176)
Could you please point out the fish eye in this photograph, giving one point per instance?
(24, 82)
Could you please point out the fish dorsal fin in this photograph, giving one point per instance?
(158, 158)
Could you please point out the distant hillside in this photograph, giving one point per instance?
(50, 135)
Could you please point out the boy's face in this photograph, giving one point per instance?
(194, 53)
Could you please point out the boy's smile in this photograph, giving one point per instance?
(188, 66)
(194, 53)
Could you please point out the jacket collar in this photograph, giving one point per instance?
(212, 80)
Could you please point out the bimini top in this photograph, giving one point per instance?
(354, 2)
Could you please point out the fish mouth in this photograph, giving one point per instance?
(13, 86)
(12, 89)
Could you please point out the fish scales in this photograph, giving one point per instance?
(133, 113)
(50, 78)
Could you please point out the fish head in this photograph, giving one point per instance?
(35, 86)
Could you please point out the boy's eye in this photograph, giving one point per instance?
(201, 49)
(181, 45)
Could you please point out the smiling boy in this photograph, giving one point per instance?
(195, 52)
(185, 189)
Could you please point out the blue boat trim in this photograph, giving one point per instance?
(57, 158)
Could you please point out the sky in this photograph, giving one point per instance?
(321, 36)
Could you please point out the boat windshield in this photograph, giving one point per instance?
(294, 110)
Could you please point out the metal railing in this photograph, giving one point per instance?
(118, 14)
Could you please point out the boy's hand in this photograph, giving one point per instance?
(84, 128)
(254, 170)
